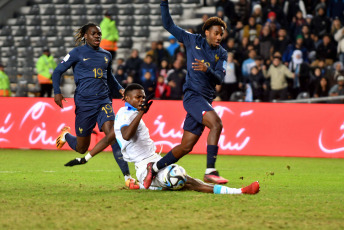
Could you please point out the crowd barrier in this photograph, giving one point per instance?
(261, 129)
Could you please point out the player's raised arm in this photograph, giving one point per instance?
(168, 23)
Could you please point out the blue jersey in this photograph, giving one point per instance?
(198, 48)
(92, 75)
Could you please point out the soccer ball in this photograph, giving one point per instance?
(175, 177)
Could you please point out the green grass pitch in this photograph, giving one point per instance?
(38, 192)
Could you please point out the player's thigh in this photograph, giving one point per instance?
(105, 119)
(189, 140)
(85, 120)
(211, 119)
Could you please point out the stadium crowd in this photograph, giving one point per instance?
(276, 50)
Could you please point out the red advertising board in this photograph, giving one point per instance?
(262, 129)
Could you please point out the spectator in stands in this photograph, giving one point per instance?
(121, 76)
(257, 81)
(232, 81)
(257, 13)
(326, 50)
(176, 79)
(200, 26)
(163, 69)
(297, 46)
(338, 89)
(158, 52)
(339, 37)
(281, 42)
(337, 70)
(229, 10)
(321, 25)
(109, 34)
(336, 9)
(45, 66)
(252, 29)
(295, 67)
(133, 65)
(272, 22)
(162, 90)
(220, 12)
(336, 26)
(273, 6)
(322, 88)
(266, 43)
(173, 45)
(248, 64)
(148, 83)
(297, 23)
(243, 10)
(231, 47)
(307, 40)
(5, 87)
(278, 73)
(148, 66)
(292, 7)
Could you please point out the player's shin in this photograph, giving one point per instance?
(168, 159)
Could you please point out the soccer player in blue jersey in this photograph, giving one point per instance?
(95, 84)
(206, 68)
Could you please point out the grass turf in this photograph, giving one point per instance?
(38, 192)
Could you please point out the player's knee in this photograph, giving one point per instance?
(217, 125)
(186, 149)
(110, 138)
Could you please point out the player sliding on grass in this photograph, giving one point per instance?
(95, 85)
(206, 68)
(137, 146)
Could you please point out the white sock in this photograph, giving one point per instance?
(127, 177)
(64, 137)
(88, 157)
(210, 170)
(220, 189)
(155, 167)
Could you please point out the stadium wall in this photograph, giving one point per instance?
(262, 129)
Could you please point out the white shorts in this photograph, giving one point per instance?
(141, 172)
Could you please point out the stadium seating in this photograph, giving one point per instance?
(51, 23)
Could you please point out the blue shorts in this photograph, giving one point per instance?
(195, 106)
(88, 115)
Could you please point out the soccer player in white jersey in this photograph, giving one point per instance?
(133, 137)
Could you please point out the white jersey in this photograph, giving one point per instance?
(140, 146)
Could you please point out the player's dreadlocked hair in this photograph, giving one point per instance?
(214, 21)
(79, 33)
(132, 87)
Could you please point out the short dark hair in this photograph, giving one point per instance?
(132, 87)
(214, 21)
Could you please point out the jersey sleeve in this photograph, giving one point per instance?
(181, 35)
(219, 71)
(68, 61)
(124, 118)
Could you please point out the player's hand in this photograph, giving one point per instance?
(121, 91)
(77, 161)
(58, 100)
(147, 103)
(199, 66)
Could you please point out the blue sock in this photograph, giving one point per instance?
(211, 155)
(71, 140)
(123, 165)
(217, 189)
(166, 160)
